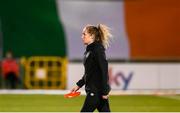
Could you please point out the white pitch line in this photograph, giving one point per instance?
(174, 97)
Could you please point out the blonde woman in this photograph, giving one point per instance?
(95, 78)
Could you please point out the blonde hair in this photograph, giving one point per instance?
(101, 34)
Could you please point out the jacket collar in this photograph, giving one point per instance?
(90, 46)
(93, 45)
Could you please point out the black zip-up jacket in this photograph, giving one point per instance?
(95, 78)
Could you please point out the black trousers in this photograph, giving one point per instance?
(11, 81)
(94, 101)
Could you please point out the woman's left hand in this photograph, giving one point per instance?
(105, 96)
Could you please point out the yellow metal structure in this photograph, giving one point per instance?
(45, 73)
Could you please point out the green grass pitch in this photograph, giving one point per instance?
(50, 103)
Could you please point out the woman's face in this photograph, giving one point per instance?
(86, 37)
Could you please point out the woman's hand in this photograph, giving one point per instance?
(76, 88)
(105, 96)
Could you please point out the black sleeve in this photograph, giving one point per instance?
(81, 82)
(103, 65)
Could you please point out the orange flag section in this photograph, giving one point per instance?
(153, 28)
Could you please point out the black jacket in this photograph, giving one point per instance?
(95, 77)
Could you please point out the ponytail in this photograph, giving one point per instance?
(105, 35)
(101, 34)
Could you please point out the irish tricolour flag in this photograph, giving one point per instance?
(141, 28)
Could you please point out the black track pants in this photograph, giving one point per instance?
(94, 101)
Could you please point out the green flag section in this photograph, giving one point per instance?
(32, 28)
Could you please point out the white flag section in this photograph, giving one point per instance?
(75, 14)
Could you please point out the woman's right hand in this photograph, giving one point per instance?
(76, 88)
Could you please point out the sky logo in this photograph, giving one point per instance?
(119, 79)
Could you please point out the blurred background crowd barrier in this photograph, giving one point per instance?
(40, 73)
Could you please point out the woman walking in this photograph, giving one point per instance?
(95, 78)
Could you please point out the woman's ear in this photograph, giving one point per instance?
(92, 37)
